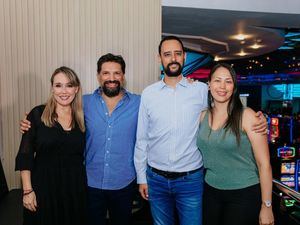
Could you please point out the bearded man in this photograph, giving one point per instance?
(111, 119)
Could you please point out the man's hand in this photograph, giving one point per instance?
(191, 80)
(262, 125)
(24, 124)
(143, 189)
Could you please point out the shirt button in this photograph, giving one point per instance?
(108, 139)
(109, 126)
(102, 101)
(106, 164)
(106, 113)
(107, 151)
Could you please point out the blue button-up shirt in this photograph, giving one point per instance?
(110, 140)
(167, 127)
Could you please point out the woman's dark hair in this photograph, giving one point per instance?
(235, 106)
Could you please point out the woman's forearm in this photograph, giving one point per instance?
(265, 176)
(26, 180)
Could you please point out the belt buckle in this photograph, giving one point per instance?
(173, 175)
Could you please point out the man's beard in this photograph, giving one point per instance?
(175, 73)
(111, 92)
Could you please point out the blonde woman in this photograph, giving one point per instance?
(50, 156)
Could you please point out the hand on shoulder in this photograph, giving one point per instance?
(249, 119)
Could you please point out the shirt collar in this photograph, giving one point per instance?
(183, 82)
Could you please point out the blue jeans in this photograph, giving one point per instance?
(182, 195)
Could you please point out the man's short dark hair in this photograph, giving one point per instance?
(111, 58)
(168, 38)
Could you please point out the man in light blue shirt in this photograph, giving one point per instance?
(167, 160)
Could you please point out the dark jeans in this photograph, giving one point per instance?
(231, 207)
(118, 203)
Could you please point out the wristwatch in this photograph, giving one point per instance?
(267, 203)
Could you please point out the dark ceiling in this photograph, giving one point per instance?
(270, 45)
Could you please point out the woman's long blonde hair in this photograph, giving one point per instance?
(49, 116)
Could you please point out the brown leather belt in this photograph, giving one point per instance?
(172, 175)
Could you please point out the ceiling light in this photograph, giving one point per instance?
(217, 58)
(240, 37)
(242, 53)
(256, 46)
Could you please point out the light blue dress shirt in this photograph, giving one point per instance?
(110, 141)
(168, 122)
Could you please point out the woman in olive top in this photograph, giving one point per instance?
(238, 180)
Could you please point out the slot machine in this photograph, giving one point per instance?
(273, 129)
(288, 175)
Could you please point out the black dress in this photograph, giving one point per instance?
(55, 158)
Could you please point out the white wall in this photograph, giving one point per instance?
(37, 36)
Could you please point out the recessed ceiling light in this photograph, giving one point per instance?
(240, 37)
(217, 58)
(242, 53)
(256, 46)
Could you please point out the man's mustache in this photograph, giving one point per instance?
(112, 82)
(174, 63)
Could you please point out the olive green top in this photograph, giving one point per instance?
(228, 165)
